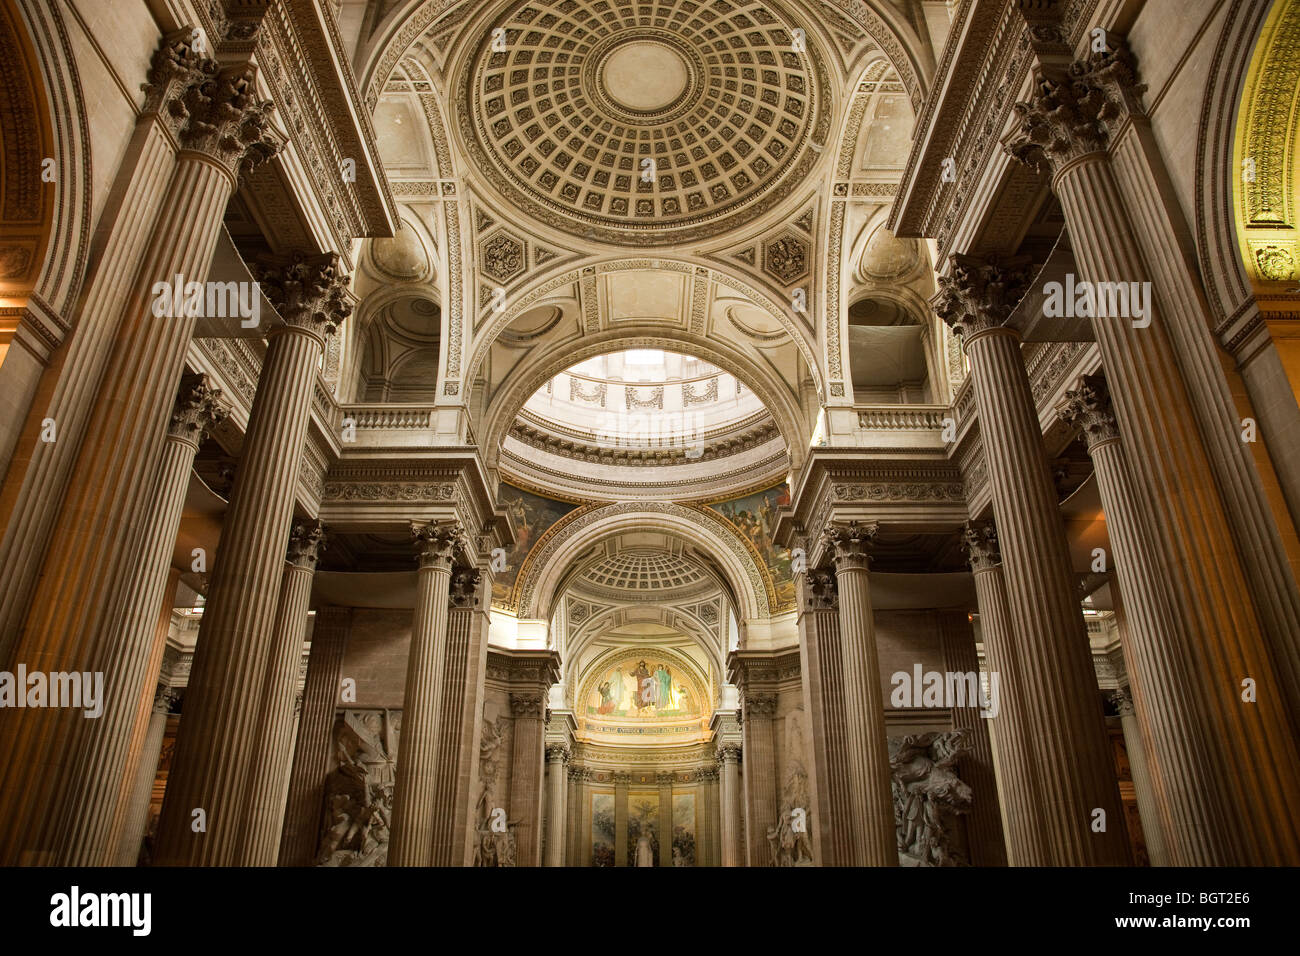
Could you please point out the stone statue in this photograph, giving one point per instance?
(359, 791)
(788, 840)
(496, 844)
(928, 795)
(645, 852)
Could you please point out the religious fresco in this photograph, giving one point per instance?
(533, 516)
(683, 829)
(642, 688)
(602, 829)
(754, 516)
(643, 829)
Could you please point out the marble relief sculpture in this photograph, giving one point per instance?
(359, 791)
(496, 844)
(928, 795)
(788, 840)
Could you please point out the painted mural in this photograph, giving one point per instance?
(683, 829)
(602, 829)
(642, 688)
(754, 516)
(533, 516)
(643, 829)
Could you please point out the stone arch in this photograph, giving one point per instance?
(544, 569)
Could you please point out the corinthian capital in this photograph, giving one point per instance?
(465, 588)
(198, 408)
(436, 542)
(979, 294)
(306, 542)
(760, 705)
(1074, 112)
(819, 591)
(213, 111)
(1088, 406)
(851, 542)
(308, 291)
(980, 542)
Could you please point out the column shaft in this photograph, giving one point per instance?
(526, 775)
(761, 801)
(665, 781)
(730, 783)
(136, 812)
(556, 812)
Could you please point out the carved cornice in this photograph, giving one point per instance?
(198, 409)
(1088, 407)
(980, 294)
(306, 541)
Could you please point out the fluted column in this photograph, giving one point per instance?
(984, 823)
(1071, 746)
(621, 781)
(464, 667)
(729, 771)
(1013, 748)
(272, 759)
(557, 755)
(528, 710)
(572, 815)
(136, 813)
(1222, 639)
(92, 548)
(822, 671)
(311, 752)
(414, 791)
(665, 784)
(223, 700)
(704, 825)
(92, 805)
(583, 843)
(1147, 805)
(761, 799)
(870, 803)
(715, 817)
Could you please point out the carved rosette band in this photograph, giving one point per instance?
(310, 292)
(527, 705)
(979, 294)
(851, 543)
(436, 543)
(198, 409)
(1089, 407)
(306, 542)
(1075, 112)
(980, 542)
(211, 110)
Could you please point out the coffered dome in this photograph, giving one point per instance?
(644, 123)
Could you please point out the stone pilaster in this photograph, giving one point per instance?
(464, 667)
(870, 803)
(415, 791)
(984, 822)
(311, 752)
(557, 756)
(135, 816)
(621, 781)
(529, 712)
(977, 298)
(583, 842)
(822, 670)
(1013, 749)
(222, 702)
(665, 783)
(1179, 484)
(572, 815)
(272, 759)
(101, 475)
(761, 784)
(93, 805)
(729, 772)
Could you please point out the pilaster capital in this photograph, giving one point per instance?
(310, 292)
(1075, 111)
(622, 779)
(558, 752)
(707, 774)
(211, 110)
(164, 697)
(664, 779)
(820, 591)
(979, 293)
(1088, 406)
(728, 753)
(980, 542)
(851, 543)
(306, 541)
(436, 543)
(587, 774)
(527, 705)
(760, 706)
(465, 591)
(199, 407)
(1123, 701)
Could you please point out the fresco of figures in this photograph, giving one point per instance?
(754, 516)
(533, 516)
(642, 688)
